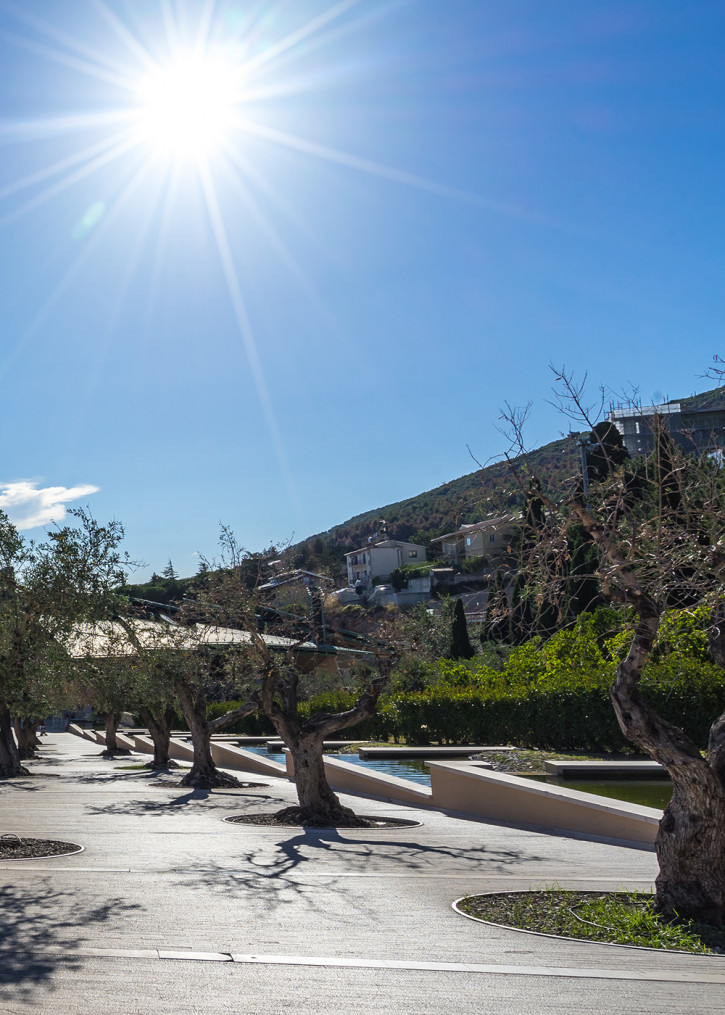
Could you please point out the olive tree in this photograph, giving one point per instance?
(153, 668)
(46, 589)
(273, 656)
(658, 526)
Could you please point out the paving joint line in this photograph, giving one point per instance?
(403, 965)
(406, 875)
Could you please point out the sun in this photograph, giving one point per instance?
(186, 107)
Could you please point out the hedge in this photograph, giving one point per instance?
(552, 695)
(562, 720)
(547, 718)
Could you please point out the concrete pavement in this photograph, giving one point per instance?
(170, 909)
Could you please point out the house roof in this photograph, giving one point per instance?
(110, 638)
(385, 544)
(465, 530)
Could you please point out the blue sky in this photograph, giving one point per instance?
(381, 223)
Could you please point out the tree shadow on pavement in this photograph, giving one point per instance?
(22, 783)
(181, 802)
(275, 874)
(361, 854)
(258, 890)
(40, 927)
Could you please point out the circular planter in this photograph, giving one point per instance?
(266, 820)
(566, 937)
(36, 849)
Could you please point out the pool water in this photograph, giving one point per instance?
(403, 768)
(647, 792)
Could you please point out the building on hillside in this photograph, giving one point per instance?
(375, 561)
(694, 426)
(490, 539)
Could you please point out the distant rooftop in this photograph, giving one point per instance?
(626, 412)
(487, 523)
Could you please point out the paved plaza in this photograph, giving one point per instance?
(170, 909)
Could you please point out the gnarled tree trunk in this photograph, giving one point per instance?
(159, 726)
(27, 740)
(690, 842)
(204, 774)
(111, 720)
(318, 804)
(10, 765)
(690, 846)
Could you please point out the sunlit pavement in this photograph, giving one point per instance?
(172, 909)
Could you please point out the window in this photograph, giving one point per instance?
(492, 538)
(468, 540)
(412, 553)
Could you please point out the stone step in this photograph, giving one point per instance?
(574, 770)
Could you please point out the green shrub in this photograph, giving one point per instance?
(551, 695)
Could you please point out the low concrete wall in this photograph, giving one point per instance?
(229, 756)
(123, 741)
(78, 731)
(100, 736)
(484, 794)
(180, 750)
(143, 744)
(422, 753)
(277, 746)
(348, 778)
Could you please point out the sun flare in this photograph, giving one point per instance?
(187, 106)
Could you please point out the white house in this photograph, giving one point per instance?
(377, 560)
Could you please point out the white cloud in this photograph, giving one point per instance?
(28, 507)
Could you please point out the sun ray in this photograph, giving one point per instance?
(259, 180)
(29, 130)
(56, 55)
(244, 327)
(131, 263)
(206, 21)
(169, 205)
(21, 345)
(170, 26)
(57, 167)
(238, 183)
(371, 168)
(125, 35)
(249, 172)
(62, 37)
(113, 316)
(312, 26)
(57, 188)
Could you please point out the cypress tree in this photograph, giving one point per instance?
(460, 646)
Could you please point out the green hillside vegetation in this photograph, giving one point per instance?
(713, 399)
(469, 499)
(472, 498)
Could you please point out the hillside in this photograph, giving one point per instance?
(469, 499)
